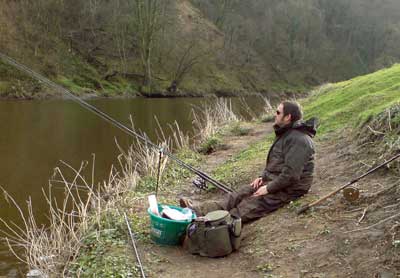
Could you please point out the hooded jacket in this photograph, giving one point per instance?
(290, 162)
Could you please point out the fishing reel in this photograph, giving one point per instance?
(351, 194)
(200, 183)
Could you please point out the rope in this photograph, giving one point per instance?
(112, 121)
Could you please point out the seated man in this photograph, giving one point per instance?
(288, 173)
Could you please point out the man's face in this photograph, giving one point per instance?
(281, 120)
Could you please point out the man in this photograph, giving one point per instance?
(288, 173)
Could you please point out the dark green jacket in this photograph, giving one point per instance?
(290, 162)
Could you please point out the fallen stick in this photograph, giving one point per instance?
(362, 216)
(376, 224)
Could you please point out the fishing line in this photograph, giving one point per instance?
(112, 121)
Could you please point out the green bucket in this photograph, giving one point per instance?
(166, 231)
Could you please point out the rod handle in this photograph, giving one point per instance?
(303, 209)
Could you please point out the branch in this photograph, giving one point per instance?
(376, 224)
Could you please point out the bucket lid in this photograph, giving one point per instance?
(216, 215)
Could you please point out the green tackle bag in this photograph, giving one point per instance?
(215, 235)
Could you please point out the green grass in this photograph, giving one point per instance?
(237, 169)
(353, 102)
(281, 86)
(13, 83)
(104, 251)
(237, 129)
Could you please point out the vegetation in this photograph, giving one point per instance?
(211, 144)
(236, 170)
(312, 41)
(365, 108)
(175, 48)
(354, 102)
(237, 129)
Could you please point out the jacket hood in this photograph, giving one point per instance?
(309, 126)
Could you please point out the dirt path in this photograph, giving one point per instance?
(314, 245)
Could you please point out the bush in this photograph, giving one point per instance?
(267, 118)
(239, 130)
(210, 145)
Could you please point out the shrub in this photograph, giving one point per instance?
(209, 145)
(267, 118)
(238, 130)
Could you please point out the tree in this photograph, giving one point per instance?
(185, 62)
(147, 23)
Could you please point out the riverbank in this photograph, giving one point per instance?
(16, 86)
(359, 128)
(338, 238)
(335, 235)
(87, 82)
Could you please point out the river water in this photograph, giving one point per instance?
(37, 135)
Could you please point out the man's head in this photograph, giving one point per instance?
(288, 112)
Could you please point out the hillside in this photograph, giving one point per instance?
(93, 53)
(190, 47)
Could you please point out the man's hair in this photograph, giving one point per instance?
(292, 108)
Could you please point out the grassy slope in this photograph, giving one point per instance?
(355, 101)
(346, 104)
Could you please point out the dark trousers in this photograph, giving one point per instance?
(242, 204)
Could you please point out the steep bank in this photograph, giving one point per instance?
(79, 47)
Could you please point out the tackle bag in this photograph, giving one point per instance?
(215, 235)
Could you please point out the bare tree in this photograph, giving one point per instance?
(147, 23)
(186, 61)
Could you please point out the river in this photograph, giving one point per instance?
(37, 135)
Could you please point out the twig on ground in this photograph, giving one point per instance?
(354, 210)
(380, 192)
(374, 225)
(391, 206)
(365, 164)
(392, 231)
(375, 131)
(362, 216)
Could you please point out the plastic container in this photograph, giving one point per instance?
(153, 204)
(166, 231)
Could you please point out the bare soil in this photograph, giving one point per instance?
(324, 242)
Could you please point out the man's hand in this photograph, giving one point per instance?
(261, 191)
(257, 183)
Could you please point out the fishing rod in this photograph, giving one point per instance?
(114, 122)
(310, 205)
(134, 246)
